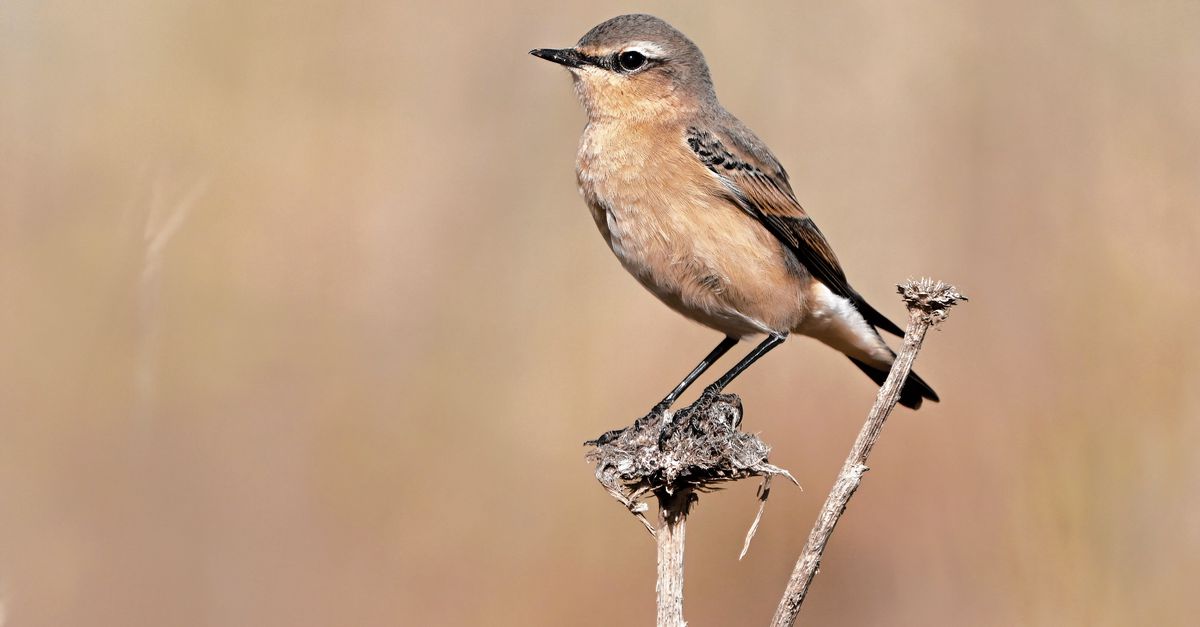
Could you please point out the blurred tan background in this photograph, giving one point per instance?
(302, 321)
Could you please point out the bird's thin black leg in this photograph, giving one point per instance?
(662, 407)
(704, 364)
(773, 340)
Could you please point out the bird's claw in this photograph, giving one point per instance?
(605, 438)
(658, 411)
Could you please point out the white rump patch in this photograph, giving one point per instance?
(833, 320)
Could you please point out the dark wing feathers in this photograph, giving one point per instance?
(760, 186)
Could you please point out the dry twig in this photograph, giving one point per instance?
(928, 303)
(674, 457)
(162, 222)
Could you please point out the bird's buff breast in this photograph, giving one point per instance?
(662, 214)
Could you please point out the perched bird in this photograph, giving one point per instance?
(697, 208)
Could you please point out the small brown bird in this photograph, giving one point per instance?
(697, 208)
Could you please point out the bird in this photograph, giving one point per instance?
(699, 210)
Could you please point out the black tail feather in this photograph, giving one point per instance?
(915, 389)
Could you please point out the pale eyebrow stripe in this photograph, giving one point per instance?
(648, 48)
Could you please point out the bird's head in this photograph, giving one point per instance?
(635, 66)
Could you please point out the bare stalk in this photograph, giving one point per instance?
(674, 456)
(928, 303)
(672, 515)
(162, 223)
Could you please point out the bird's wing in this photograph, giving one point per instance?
(758, 184)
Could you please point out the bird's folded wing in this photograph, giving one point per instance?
(759, 185)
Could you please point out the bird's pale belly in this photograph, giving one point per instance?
(707, 262)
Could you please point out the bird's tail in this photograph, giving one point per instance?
(915, 389)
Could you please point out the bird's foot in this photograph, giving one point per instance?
(666, 424)
(682, 418)
(656, 415)
(710, 393)
(606, 437)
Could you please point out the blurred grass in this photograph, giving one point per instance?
(387, 323)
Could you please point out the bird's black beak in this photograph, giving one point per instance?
(567, 56)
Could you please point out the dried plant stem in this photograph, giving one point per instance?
(672, 515)
(161, 225)
(675, 456)
(927, 305)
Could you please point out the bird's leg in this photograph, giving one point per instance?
(670, 399)
(704, 364)
(773, 340)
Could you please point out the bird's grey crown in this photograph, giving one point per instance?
(632, 27)
(682, 53)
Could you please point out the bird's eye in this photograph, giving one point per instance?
(631, 60)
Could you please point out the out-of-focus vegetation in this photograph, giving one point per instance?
(350, 388)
